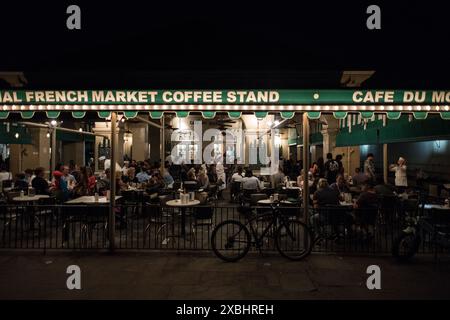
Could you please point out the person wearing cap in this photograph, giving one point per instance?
(401, 178)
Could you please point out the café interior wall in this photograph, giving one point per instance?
(351, 157)
(432, 156)
(72, 151)
(36, 154)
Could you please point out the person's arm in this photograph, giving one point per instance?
(315, 200)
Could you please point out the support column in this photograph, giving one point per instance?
(120, 147)
(329, 131)
(155, 140)
(385, 163)
(163, 142)
(53, 152)
(140, 141)
(329, 141)
(305, 193)
(112, 179)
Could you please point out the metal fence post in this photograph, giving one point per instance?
(305, 156)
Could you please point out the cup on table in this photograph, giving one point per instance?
(275, 197)
(31, 192)
(191, 196)
(348, 197)
(108, 194)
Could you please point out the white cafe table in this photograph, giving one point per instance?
(435, 206)
(29, 210)
(345, 204)
(90, 200)
(25, 199)
(182, 206)
(292, 188)
(267, 201)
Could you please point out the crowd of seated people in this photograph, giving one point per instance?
(71, 180)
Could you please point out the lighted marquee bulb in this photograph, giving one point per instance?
(16, 135)
(53, 122)
(277, 122)
(80, 129)
(48, 135)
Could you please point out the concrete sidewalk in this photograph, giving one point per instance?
(27, 275)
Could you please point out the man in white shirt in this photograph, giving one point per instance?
(237, 176)
(250, 182)
(70, 179)
(278, 178)
(107, 164)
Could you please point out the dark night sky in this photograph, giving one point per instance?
(225, 43)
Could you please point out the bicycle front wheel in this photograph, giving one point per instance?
(230, 240)
(294, 240)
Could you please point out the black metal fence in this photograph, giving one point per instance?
(160, 227)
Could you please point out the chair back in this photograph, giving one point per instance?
(129, 196)
(163, 199)
(292, 193)
(11, 195)
(367, 216)
(254, 198)
(176, 185)
(6, 184)
(235, 187)
(203, 212)
(190, 185)
(334, 215)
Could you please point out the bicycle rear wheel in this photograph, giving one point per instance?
(230, 240)
(294, 240)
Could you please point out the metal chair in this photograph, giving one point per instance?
(202, 216)
(235, 190)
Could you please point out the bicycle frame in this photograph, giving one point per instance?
(274, 218)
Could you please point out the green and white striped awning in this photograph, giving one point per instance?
(391, 115)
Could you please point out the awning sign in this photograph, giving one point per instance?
(240, 97)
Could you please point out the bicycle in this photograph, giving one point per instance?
(293, 239)
(436, 223)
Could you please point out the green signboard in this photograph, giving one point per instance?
(222, 97)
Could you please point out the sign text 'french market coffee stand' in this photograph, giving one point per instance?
(288, 101)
